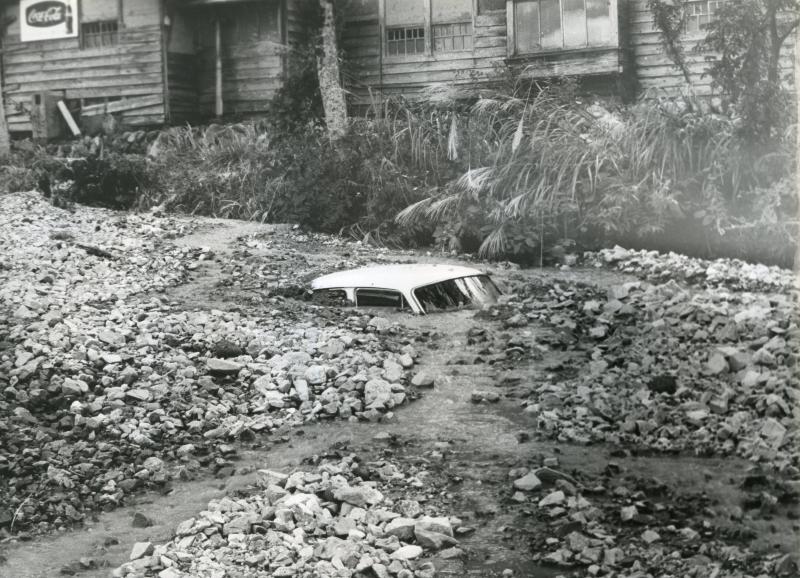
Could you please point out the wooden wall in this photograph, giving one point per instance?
(640, 59)
(655, 73)
(133, 68)
(371, 71)
(253, 47)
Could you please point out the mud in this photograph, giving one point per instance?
(467, 448)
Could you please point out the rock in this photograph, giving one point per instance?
(528, 482)
(217, 366)
(315, 375)
(138, 394)
(697, 417)
(272, 478)
(716, 364)
(111, 337)
(552, 499)
(140, 550)
(141, 521)
(628, 513)
(433, 540)
(225, 348)
(422, 380)
(429, 524)
(23, 312)
(518, 320)
(407, 553)
(773, 432)
(650, 536)
(361, 496)
(378, 394)
(240, 524)
(336, 548)
(74, 387)
(401, 527)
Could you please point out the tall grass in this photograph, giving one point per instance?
(548, 168)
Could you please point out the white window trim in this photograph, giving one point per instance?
(693, 34)
(427, 24)
(511, 30)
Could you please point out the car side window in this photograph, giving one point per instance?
(379, 298)
(334, 297)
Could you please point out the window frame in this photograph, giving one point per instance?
(403, 301)
(83, 36)
(511, 33)
(429, 53)
(701, 31)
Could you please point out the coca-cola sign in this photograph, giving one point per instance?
(48, 13)
(48, 19)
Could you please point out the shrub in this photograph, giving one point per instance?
(550, 168)
(257, 171)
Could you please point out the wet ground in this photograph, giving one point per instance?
(467, 448)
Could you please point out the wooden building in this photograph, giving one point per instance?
(404, 46)
(153, 62)
(145, 62)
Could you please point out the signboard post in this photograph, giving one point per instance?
(48, 19)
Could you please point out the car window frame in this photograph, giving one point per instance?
(419, 303)
(404, 304)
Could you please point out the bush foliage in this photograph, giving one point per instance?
(545, 168)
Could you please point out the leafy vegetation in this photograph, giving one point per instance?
(550, 171)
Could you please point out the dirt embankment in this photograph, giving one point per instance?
(596, 423)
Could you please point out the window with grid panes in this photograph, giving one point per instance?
(412, 31)
(451, 25)
(699, 13)
(405, 41)
(542, 25)
(452, 37)
(99, 34)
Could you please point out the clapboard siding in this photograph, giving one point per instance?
(133, 68)
(368, 72)
(251, 71)
(656, 73)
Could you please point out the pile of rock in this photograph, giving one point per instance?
(670, 367)
(322, 523)
(637, 529)
(732, 273)
(100, 381)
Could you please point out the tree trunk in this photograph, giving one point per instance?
(330, 87)
(5, 145)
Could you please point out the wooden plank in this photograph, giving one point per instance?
(83, 66)
(510, 29)
(15, 76)
(122, 105)
(79, 83)
(73, 126)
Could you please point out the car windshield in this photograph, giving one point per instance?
(474, 291)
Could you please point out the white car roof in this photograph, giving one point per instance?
(402, 278)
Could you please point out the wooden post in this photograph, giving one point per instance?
(5, 140)
(218, 109)
(797, 150)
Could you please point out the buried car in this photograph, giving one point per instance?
(419, 288)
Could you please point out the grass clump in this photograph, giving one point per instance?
(659, 173)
